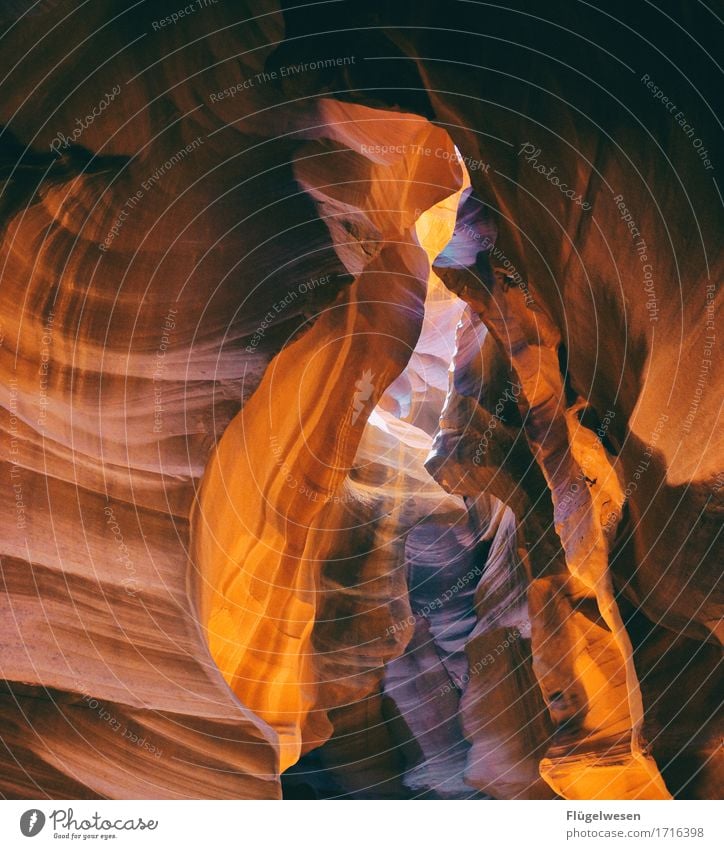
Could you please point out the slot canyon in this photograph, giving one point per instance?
(360, 430)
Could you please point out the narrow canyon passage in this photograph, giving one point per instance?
(360, 431)
(305, 544)
(335, 500)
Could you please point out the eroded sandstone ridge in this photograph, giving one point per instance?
(358, 401)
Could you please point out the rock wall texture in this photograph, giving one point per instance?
(359, 401)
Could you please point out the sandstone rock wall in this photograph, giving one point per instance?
(245, 447)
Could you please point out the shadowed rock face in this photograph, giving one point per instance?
(275, 498)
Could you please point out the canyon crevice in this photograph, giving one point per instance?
(358, 404)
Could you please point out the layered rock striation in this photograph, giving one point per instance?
(357, 406)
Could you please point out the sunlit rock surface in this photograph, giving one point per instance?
(276, 502)
(282, 461)
(586, 672)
